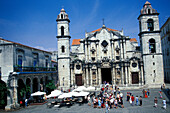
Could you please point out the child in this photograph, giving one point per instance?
(164, 103)
(140, 100)
(155, 101)
(160, 92)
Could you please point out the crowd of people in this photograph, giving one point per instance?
(111, 97)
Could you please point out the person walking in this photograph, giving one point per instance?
(160, 92)
(99, 102)
(89, 100)
(155, 101)
(137, 100)
(148, 93)
(26, 101)
(115, 102)
(107, 107)
(132, 98)
(164, 103)
(140, 100)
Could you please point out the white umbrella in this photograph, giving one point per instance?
(38, 93)
(90, 88)
(80, 88)
(54, 93)
(84, 93)
(65, 95)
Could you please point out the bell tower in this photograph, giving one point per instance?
(63, 40)
(150, 42)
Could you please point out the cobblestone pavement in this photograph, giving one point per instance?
(147, 106)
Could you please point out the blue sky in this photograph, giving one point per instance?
(33, 22)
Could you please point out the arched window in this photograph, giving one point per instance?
(152, 46)
(61, 16)
(62, 49)
(150, 25)
(62, 31)
(149, 11)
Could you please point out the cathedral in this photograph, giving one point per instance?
(106, 55)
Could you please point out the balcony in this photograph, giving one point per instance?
(33, 69)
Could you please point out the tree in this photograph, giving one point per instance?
(50, 86)
(3, 94)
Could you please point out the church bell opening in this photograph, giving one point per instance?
(106, 75)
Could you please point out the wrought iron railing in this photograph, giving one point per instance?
(33, 69)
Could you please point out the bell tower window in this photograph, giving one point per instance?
(61, 16)
(149, 11)
(62, 49)
(152, 48)
(150, 25)
(62, 31)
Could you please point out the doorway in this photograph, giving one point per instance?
(106, 75)
(135, 78)
(79, 79)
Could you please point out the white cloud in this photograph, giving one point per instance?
(46, 49)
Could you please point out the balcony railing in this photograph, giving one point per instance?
(33, 69)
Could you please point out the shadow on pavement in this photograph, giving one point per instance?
(167, 93)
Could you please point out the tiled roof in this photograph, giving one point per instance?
(133, 40)
(24, 45)
(76, 42)
(107, 29)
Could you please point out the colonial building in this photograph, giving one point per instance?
(107, 55)
(23, 66)
(165, 40)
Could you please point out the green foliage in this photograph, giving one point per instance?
(51, 85)
(28, 89)
(22, 92)
(3, 94)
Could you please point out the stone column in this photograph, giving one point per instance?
(91, 80)
(122, 76)
(84, 78)
(89, 51)
(142, 80)
(129, 77)
(112, 52)
(86, 49)
(121, 50)
(87, 77)
(72, 74)
(99, 74)
(112, 75)
(124, 49)
(126, 76)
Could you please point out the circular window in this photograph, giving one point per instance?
(78, 67)
(134, 64)
(104, 43)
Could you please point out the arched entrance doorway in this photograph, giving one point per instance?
(21, 90)
(35, 85)
(3, 94)
(28, 88)
(106, 75)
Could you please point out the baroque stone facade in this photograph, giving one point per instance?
(106, 55)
